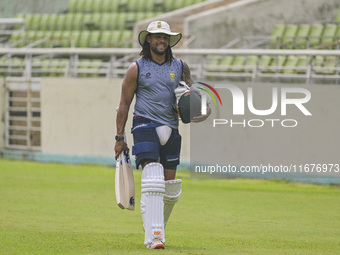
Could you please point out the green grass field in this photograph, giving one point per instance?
(70, 209)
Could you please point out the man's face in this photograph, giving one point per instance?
(158, 43)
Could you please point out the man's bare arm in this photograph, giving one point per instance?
(129, 87)
(186, 76)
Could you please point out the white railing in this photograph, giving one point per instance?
(10, 26)
(112, 62)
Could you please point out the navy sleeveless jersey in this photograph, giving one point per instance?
(155, 95)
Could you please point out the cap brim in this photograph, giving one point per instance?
(174, 37)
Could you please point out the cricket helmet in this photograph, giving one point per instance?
(189, 106)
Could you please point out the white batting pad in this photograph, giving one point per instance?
(163, 133)
(152, 205)
(173, 191)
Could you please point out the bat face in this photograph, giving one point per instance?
(124, 182)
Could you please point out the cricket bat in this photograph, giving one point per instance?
(124, 182)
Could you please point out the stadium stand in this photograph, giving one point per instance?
(103, 24)
(286, 36)
(97, 16)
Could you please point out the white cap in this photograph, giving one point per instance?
(156, 27)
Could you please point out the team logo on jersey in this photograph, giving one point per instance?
(172, 76)
(159, 24)
(146, 76)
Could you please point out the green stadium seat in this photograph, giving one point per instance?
(120, 23)
(250, 62)
(110, 5)
(126, 39)
(72, 6)
(277, 63)
(289, 36)
(105, 39)
(95, 65)
(17, 39)
(315, 35)
(29, 37)
(84, 39)
(43, 21)
(301, 36)
(318, 64)
(77, 23)
(238, 64)
(131, 5)
(290, 65)
(106, 6)
(16, 66)
(52, 22)
(83, 64)
(35, 21)
(159, 6)
(57, 38)
(45, 67)
(80, 6)
(96, 19)
(60, 22)
(148, 5)
(265, 63)
(94, 39)
(301, 65)
(97, 7)
(212, 63)
(139, 16)
(225, 63)
(277, 34)
(41, 34)
(328, 35)
(337, 18)
(325, 65)
(88, 23)
(337, 37)
(68, 21)
(58, 67)
(75, 38)
(108, 21)
(130, 20)
(123, 6)
(65, 40)
(88, 6)
(116, 35)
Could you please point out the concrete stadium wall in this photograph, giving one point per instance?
(78, 118)
(10, 8)
(214, 28)
(2, 112)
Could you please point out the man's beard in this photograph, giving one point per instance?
(156, 51)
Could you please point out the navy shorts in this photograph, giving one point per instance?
(148, 148)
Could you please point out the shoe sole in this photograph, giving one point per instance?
(159, 246)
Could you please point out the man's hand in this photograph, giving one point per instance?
(120, 146)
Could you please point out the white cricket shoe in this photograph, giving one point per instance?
(156, 244)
